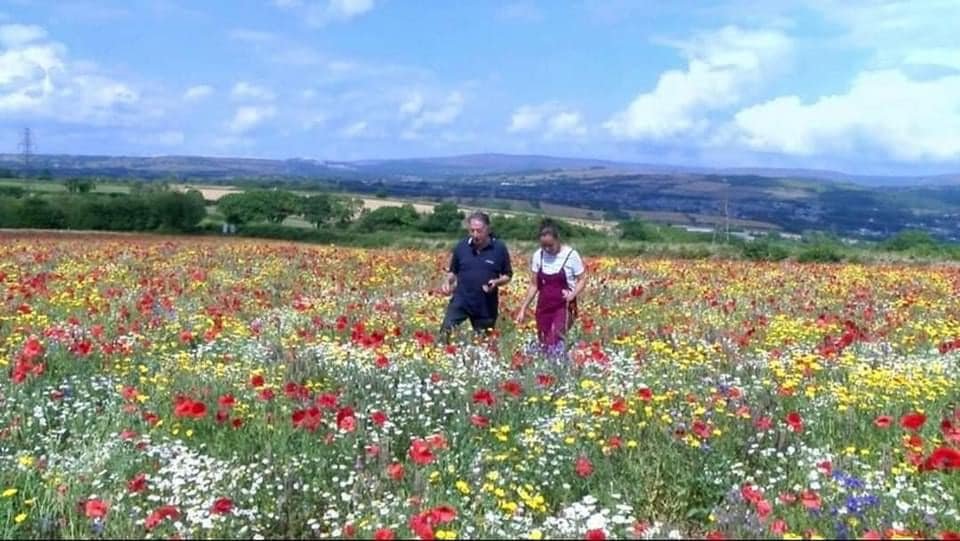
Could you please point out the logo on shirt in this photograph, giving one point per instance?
(489, 261)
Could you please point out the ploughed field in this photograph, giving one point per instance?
(200, 387)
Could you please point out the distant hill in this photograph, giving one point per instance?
(431, 168)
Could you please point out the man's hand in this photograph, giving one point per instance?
(490, 285)
(447, 286)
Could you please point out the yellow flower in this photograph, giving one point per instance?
(26, 461)
(463, 487)
(10, 492)
(446, 534)
(20, 518)
(535, 534)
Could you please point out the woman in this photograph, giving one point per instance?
(559, 279)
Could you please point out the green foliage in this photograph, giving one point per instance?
(79, 185)
(38, 213)
(820, 251)
(445, 218)
(910, 239)
(318, 209)
(259, 205)
(12, 191)
(179, 211)
(639, 230)
(528, 228)
(389, 219)
(763, 250)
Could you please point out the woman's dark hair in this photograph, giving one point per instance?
(548, 227)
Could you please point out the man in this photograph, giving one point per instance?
(479, 266)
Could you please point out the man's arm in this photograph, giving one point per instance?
(450, 280)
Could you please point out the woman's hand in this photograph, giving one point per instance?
(521, 315)
(568, 295)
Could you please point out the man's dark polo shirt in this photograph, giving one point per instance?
(474, 268)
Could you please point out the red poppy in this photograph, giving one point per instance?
(138, 483)
(266, 395)
(227, 401)
(346, 421)
(443, 514)
(421, 453)
(764, 509)
(483, 396)
(715, 536)
(512, 388)
(810, 499)
(619, 405)
(751, 494)
(872, 535)
(913, 421)
(883, 421)
(395, 471)
(384, 534)
(308, 419)
(349, 530)
(159, 515)
(222, 506)
(595, 535)
(545, 380)
(479, 421)
(96, 508)
(645, 394)
(257, 381)
(779, 527)
(825, 468)
(378, 417)
(949, 536)
(942, 458)
(583, 467)
(437, 442)
(787, 498)
(702, 429)
(763, 424)
(795, 422)
(383, 362)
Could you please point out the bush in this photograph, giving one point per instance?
(763, 250)
(403, 218)
(820, 252)
(639, 230)
(909, 239)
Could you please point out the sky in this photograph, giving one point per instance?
(862, 86)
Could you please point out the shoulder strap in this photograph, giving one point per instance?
(569, 253)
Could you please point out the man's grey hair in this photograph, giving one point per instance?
(481, 217)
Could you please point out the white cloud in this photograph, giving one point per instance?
(551, 118)
(883, 109)
(323, 12)
(566, 123)
(244, 90)
(412, 105)
(356, 129)
(441, 115)
(316, 120)
(938, 56)
(249, 117)
(723, 68)
(13, 35)
(38, 79)
(195, 93)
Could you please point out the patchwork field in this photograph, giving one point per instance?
(202, 387)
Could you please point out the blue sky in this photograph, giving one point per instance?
(869, 86)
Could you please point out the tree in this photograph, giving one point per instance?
(908, 239)
(79, 185)
(318, 210)
(179, 211)
(445, 218)
(638, 230)
(389, 218)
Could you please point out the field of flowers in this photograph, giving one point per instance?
(166, 387)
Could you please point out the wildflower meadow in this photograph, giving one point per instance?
(160, 387)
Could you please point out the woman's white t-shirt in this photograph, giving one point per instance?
(551, 263)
